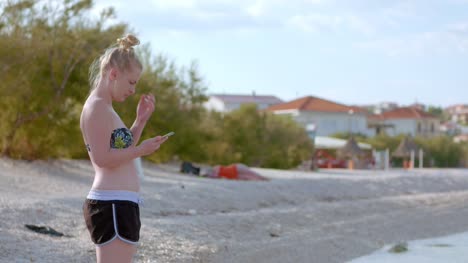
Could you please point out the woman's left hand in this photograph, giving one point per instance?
(145, 107)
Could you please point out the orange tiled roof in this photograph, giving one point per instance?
(403, 113)
(311, 103)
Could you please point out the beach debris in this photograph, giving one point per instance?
(440, 245)
(44, 230)
(328, 199)
(275, 230)
(189, 168)
(192, 212)
(399, 248)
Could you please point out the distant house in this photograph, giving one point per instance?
(460, 138)
(458, 113)
(227, 103)
(450, 128)
(323, 116)
(381, 107)
(406, 120)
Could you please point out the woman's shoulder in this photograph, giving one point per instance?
(95, 108)
(93, 105)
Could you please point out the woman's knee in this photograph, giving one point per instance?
(116, 251)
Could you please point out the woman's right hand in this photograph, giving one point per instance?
(149, 146)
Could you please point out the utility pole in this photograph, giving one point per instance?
(350, 113)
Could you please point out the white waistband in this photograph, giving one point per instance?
(108, 195)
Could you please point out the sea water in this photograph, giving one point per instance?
(453, 249)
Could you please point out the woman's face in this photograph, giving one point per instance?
(125, 83)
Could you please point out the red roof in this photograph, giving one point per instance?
(311, 103)
(403, 113)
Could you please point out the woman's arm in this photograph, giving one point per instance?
(144, 110)
(137, 129)
(97, 128)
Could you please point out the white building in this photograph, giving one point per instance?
(458, 113)
(322, 142)
(406, 120)
(326, 117)
(226, 103)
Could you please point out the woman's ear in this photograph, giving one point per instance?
(113, 74)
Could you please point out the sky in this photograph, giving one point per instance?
(349, 51)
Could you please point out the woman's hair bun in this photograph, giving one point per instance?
(128, 41)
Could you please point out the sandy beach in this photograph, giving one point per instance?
(324, 216)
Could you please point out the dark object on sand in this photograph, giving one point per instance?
(440, 245)
(189, 168)
(44, 230)
(399, 248)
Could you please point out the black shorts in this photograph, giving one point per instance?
(108, 220)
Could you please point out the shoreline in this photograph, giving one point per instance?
(324, 216)
(434, 250)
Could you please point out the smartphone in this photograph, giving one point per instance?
(169, 134)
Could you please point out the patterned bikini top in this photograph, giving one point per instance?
(121, 138)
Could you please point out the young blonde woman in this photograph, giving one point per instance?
(111, 210)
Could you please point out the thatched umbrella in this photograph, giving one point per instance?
(405, 148)
(407, 145)
(350, 150)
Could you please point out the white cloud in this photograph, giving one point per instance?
(458, 28)
(330, 23)
(279, 8)
(257, 9)
(459, 34)
(397, 46)
(360, 25)
(315, 22)
(453, 39)
(174, 4)
(396, 27)
(315, 1)
(203, 15)
(392, 16)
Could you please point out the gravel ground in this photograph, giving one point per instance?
(326, 216)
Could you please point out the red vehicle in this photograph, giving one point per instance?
(324, 159)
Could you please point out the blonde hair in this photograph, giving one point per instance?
(120, 55)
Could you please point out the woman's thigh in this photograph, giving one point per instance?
(116, 251)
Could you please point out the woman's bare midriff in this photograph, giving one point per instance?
(124, 177)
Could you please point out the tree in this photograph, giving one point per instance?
(259, 138)
(45, 48)
(179, 96)
(346, 135)
(438, 112)
(443, 151)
